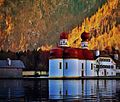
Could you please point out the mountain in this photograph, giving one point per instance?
(29, 24)
(104, 27)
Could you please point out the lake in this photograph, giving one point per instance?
(30, 90)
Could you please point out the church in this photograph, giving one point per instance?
(68, 62)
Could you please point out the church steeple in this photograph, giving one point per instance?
(63, 39)
(85, 38)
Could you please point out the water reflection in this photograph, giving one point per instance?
(11, 90)
(89, 90)
(36, 90)
(63, 90)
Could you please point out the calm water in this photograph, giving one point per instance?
(59, 90)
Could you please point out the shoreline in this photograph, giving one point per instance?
(65, 78)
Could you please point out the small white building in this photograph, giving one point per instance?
(11, 68)
(67, 62)
(105, 66)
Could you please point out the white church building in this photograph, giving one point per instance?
(67, 62)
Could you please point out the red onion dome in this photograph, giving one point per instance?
(70, 53)
(64, 35)
(56, 53)
(85, 36)
(88, 55)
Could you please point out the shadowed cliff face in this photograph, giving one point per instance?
(28, 24)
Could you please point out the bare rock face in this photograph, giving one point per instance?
(28, 24)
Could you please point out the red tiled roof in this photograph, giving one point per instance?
(71, 53)
(56, 53)
(88, 55)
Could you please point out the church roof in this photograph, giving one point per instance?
(68, 52)
(14, 64)
(56, 52)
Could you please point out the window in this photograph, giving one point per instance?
(107, 73)
(82, 66)
(66, 65)
(111, 73)
(104, 60)
(60, 65)
(63, 41)
(103, 66)
(91, 66)
(102, 73)
(112, 66)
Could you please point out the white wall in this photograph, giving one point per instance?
(54, 70)
(87, 67)
(73, 69)
(90, 71)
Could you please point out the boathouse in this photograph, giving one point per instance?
(11, 68)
